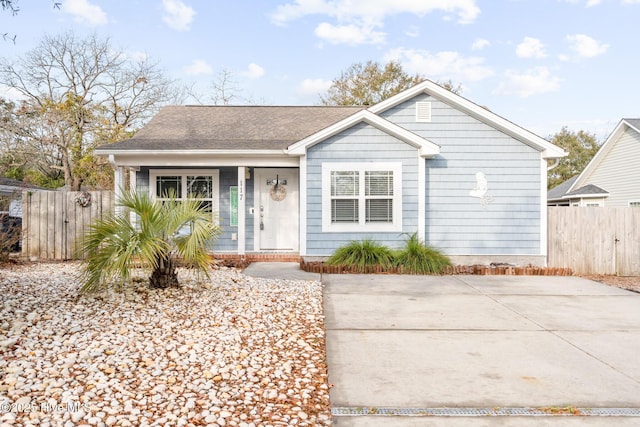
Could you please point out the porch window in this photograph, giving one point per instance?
(362, 196)
(185, 185)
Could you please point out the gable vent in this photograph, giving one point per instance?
(423, 112)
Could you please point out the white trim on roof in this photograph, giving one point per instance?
(602, 153)
(227, 153)
(203, 159)
(548, 150)
(426, 148)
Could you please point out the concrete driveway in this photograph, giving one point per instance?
(481, 343)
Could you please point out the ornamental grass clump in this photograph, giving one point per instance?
(418, 258)
(362, 255)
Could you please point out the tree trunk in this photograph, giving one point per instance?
(164, 276)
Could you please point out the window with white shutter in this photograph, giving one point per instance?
(362, 197)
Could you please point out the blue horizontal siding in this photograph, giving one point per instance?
(361, 143)
(508, 222)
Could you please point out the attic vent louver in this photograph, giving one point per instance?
(423, 112)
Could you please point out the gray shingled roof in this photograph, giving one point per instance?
(633, 122)
(237, 127)
(560, 190)
(589, 189)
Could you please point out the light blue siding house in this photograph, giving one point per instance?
(302, 181)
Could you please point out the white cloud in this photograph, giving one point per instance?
(177, 15)
(348, 34)
(630, 1)
(479, 44)
(586, 46)
(532, 82)
(441, 65)
(466, 10)
(412, 31)
(591, 3)
(198, 67)
(357, 19)
(313, 87)
(85, 12)
(254, 71)
(530, 47)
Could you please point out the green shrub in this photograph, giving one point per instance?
(418, 258)
(365, 253)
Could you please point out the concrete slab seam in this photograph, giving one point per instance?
(561, 411)
(551, 331)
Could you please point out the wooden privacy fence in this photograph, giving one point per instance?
(54, 221)
(597, 240)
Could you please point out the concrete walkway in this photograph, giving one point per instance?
(279, 270)
(481, 342)
(466, 342)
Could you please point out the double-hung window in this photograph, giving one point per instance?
(186, 184)
(362, 197)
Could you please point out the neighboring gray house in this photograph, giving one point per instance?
(11, 196)
(306, 180)
(612, 177)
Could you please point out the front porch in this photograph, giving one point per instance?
(256, 207)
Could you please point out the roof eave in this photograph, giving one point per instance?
(548, 150)
(221, 153)
(425, 147)
(602, 152)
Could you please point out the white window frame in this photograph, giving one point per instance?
(183, 173)
(361, 168)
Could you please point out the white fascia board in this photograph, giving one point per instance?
(254, 158)
(601, 154)
(426, 147)
(216, 153)
(549, 151)
(585, 196)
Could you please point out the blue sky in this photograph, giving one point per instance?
(542, 64)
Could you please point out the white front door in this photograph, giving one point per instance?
(276, 209)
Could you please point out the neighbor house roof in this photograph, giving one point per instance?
(587, 191)
(557, 192)
(633, 122)
(9, 186)
(562, 191)
(621, 127)
(231, 127)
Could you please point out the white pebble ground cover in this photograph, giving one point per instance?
(232, 351)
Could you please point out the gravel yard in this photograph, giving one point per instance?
(237, 351)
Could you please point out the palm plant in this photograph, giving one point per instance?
(113, 245)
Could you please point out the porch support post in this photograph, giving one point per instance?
(241, 209)
(302, 209)
(118, 187)
(422, 176)
(133, 186)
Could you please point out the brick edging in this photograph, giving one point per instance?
(320, 267)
